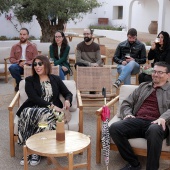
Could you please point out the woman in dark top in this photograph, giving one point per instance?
(159, 52)
(59, 50)
(42, 89)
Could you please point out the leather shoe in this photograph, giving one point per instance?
(130, 167)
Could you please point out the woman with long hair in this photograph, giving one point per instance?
(43, 90)
(59, 50)
(160, 51)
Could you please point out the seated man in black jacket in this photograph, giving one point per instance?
(129, 55)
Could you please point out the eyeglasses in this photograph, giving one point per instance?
(86, 34)
(158, 72)
(58, 36)
(37, 63)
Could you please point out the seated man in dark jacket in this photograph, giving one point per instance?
(129, 55)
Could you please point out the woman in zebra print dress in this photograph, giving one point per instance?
(43, 91)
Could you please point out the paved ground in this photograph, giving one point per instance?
(6, 95)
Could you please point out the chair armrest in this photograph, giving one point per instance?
(14, 101)
(79, 99)
(109, 104)
(6, 58)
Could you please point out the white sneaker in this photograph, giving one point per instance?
(28, 160)
(35, 159)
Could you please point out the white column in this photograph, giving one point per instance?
(161, 15)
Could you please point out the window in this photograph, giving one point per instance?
(118, 12)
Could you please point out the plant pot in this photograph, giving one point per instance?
(60, 131)
(153, 27)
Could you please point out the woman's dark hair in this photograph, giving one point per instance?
(46, 63)
(63, 45)
(166, 41)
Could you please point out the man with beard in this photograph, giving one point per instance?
(88, 52)
(21, 54)
(129, 55)
(145, 114)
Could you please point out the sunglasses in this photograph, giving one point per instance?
(37, 63)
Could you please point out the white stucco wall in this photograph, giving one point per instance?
(143, 12)
(8, 29)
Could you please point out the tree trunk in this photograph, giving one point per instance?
(49, 30)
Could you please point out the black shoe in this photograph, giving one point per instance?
(17, 87)
(35, 160)
(129, 167)
(117, 83)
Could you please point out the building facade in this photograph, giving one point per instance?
(120, 13)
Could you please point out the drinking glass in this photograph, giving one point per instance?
(43, 123)
(51, 61)
(157, 40)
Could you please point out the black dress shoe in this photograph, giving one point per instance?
(130, 167)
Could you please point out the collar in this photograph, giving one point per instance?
(165, 87)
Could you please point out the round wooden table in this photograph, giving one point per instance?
(45, 144)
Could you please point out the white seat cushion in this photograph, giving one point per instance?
(125, 91)
(138, 142)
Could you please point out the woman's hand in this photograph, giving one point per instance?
(64, 68)
(153, 46)
(66, 104)
(57, 109)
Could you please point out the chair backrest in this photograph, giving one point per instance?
(70, 84)
(125, 91)
(28, 70)
(4, 53)
(94, 79)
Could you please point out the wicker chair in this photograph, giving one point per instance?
(75, 124)
(139, 145)
(93, 79)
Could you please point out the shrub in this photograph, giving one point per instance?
(105, 27)
(148, 43)
(3, 38)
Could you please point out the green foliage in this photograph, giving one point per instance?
(63, 9)
(148, 43)
(3, 38)
(105, 27)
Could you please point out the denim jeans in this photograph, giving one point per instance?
(16, 72)
(126, 71)
(130, 128)
(61, 73)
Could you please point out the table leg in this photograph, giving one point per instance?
(70, 161)
(89, 157)
(58, 166)
(25, 157)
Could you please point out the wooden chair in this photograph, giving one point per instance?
(4, 62)
(139, 145)
(28, 70)
(75, 124)
(94, 79)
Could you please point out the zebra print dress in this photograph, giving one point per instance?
(29, 118)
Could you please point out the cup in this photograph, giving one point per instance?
(127, 55)
(51, 61)
(157, 40)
